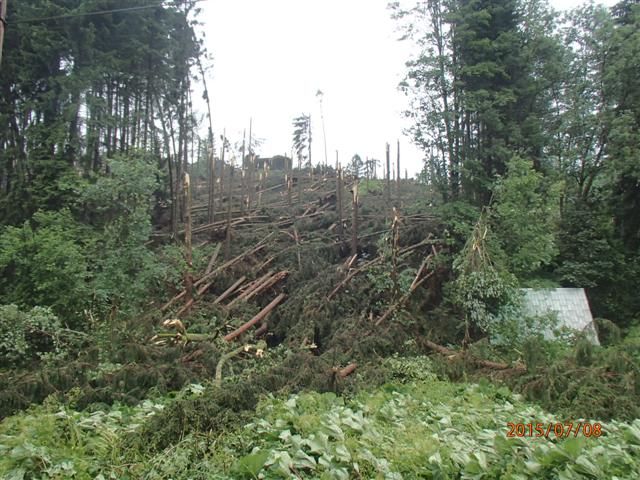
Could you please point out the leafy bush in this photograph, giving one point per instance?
(29, 335)
(44, 262)
(125, 268)
(525, 215)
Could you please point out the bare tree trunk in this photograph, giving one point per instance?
(309, 136)
(398, 170)
(250, 179)
(3, 14)
(299, 179)
(227, 244)
(339, 197)
(172, 190)
(210, 149)
(188, 275)
(258, 318)
(388, 192)
(354, 211)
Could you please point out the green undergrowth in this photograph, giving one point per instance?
(569, 379)
(414, 426)
(598, 382)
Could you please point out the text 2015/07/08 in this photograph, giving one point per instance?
(555, 429)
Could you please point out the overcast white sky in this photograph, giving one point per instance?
(271, 56)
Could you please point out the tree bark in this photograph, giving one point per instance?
(258, 318)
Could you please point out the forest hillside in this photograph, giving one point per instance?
(174, 305)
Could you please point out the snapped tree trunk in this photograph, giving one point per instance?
(188, 275)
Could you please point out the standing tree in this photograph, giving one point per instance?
(479, 88)
(302, 145)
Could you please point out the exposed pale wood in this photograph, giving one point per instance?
(270, 282)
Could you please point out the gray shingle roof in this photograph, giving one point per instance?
(570, 304)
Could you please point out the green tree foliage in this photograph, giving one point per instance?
(480, 88)
(75, 91)
(44, 262)
(103, 263)
(525, 214)
(482, 288)
(302, 138)
(29, 335)
(493, 81)
(125, 269)
(624, 138)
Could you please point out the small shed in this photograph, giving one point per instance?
(570, 305)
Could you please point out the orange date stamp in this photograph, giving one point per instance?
(555, 429)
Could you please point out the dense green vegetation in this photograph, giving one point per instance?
(126, 235)
(416, 427)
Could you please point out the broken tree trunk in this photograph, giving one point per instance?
(212, 184)
(400, 303)
(395, 238)
(270, 282)
(188, 275)
(388, 183)
(250, 288)
(258, 318)
(398, 173)
(215, 272)
(477, 361)
(348, 370)
(339, 194)
(227, 243)
(213, 259)
(296, 237)
(262, 330)
(256, 249)
(354, 221)
(227, 293)
(354, 272)
(265, 263)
